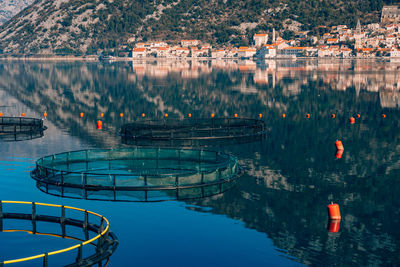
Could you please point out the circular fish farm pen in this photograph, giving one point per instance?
(192, 132)
(20, 128)
(96, 245)
(136, 174)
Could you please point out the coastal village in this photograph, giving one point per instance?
(364, 41)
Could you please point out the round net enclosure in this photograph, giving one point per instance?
(20, 128)
(152, 170)
(94, 242)
(119, 195)
(192, 132)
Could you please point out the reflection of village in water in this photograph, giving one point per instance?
(290, 175)
(369, 75)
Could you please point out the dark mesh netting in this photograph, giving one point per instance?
(96, 243)
(20, 128)
(192, 132)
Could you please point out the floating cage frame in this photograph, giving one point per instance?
(105, 241)
(149, 170)
(116, 195)
(192, 132)
(20, 128)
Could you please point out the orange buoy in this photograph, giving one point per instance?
(1, 114)
(22, 114)
(383, 115)
(166, 115)
(358, 116)
(81, 114)
(190, 115)
(45, 114)
(121, 114)
(308, 115)
(339, 145)
(352, 120)
(102, 115)
(334, 212)
(236, 115)
(143, 115)
(283, 115)
(333, 115)
(260, 115)
(212, 115)
(99, 124)
(333, 226)
(339, 153)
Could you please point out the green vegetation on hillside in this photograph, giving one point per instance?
(90, 26)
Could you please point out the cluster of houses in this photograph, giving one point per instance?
(372, 40)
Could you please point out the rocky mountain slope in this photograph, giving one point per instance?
(9, 8)
(91, 26)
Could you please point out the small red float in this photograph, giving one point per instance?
(99, 125)
(339, 153)
(339, 145)
(334, 212)
(333, 226)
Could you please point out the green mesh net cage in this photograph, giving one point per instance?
(140, 173)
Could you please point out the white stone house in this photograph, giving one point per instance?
(267, 51)
(246, 52)
(260, 39)
(139, 52)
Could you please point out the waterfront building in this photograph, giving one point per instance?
(246, 52)
(294, 51)
(163, 51)
(395, 53)
(219, 53)
(139, 52)
(260, 39)
(267, 51)
(182, 52)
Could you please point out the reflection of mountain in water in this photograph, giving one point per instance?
(294, 174)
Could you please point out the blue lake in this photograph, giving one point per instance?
(277, 212)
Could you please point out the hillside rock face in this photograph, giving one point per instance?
(92, 26)
(9, 8)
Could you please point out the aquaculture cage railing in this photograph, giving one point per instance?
(136, 168)
(113, 194)
(193, 129)
(105, 241)
(12, 125)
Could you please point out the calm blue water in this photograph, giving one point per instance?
(276, 215)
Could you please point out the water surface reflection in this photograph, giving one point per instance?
(292, 174)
